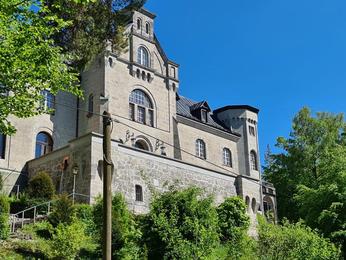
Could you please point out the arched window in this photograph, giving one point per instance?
(254, 205)
(147, 28)
(139, 193)
(141, 144)
(227, 157)
(253, 161)
(268, 208)
(200, 149)
(139, 24)
(90, 105)
(141, 108)
(143, 56)
(44, 144)
(247, 201)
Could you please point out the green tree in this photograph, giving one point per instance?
(181, 225)
(310, 173)
(233, 224)
(293, 241)
(44, 46)
(125, 232)
(233, 219)
(1, 183)
(41, 186)
(63, 211)
(30, 61)
(4, 217)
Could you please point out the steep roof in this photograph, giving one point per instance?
(184, 106)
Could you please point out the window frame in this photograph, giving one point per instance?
(253, 161)
(48, 103)
(201, 149)
(3, 140)
(90, 105)
(147, 28)
(139, 24)
(141, 102)
(143, 56)
(252, 130)
(139, 193)
(44, 147)
(227, 160)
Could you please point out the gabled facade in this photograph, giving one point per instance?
(159, 137)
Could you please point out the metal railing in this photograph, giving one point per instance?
(18, 219)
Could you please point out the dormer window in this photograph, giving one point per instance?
(204, 115)
(200, 110)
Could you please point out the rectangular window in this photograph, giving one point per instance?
(132, 111)
(173, 72)
(252, 131)
(151, 117)
(204, 116)
(141, 115)
(2, 146)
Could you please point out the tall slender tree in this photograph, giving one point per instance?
(310, 173)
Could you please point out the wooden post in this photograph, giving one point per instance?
(107, 184)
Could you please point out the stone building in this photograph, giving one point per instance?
(159, 137)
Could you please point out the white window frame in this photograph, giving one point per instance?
(201, 150)
(227, 157)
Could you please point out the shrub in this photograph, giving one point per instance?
(233, 220)
(62, 211)
(84, 213)
(125, 233)
(1, 183)
(41, 186)
(69, 240)
(4, 217)
(293, 241)
(181, 225)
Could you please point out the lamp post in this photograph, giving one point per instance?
(74, 172)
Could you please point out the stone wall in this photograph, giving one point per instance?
(154, 173)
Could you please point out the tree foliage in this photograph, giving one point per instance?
(30, 61)
(125, 232)
(44, 45)
(4, 217)
(63, 211)
(293, 241)
(41, 186)
(233, 219)
(181, 225)
(310, 173)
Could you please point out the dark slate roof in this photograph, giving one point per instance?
(184, 109)
(200, 105)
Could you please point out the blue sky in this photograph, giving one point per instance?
(275, 55)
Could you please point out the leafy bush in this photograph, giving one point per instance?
(181, 225)
(293, 241)
(125, 233)
(69, 240)
(1, 183)
(4, 217)
(62, 211)
(41, 186)
(233, 220)
(84, 213)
